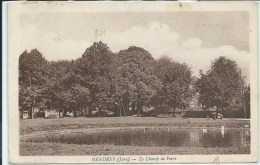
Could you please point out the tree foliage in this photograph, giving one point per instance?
(134, 77)
(32, 79)
(94, 72)
(176, 80)
(222, 86)
(130, 79)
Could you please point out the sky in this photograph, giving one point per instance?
(196, 38)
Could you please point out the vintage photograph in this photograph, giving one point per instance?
(131, 82)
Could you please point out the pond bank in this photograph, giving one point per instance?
(46, 125)
(27, 148)
(41, 127)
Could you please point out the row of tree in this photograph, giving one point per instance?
(101, 79)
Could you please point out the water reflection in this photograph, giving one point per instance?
(158, 137)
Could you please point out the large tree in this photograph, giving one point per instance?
(176, 78)
(94, 71)
(64, 89)
(32, 79)
(134, 77)
(222, 86)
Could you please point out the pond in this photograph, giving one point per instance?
(169, 137)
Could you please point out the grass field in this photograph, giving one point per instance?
(38, 127)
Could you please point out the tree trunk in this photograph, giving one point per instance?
(32, 112)
(92, 103)
(244, 103)
(82, 108)
(90, 109)
(126, 107)
(139, 108)
(85, 110)
(74, 113)
(32, 115)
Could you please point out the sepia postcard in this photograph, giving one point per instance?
(132, 82)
